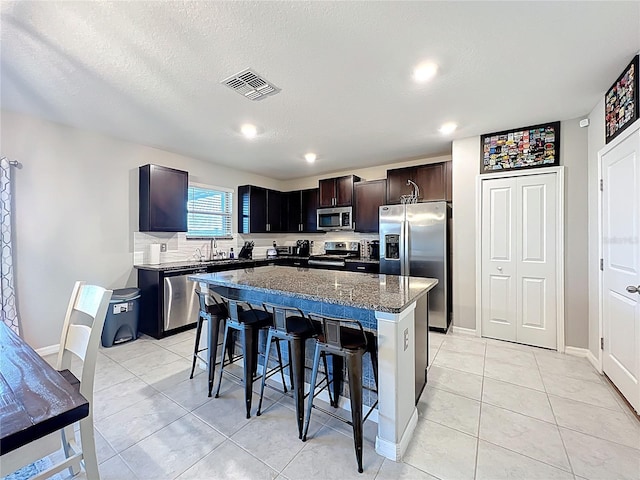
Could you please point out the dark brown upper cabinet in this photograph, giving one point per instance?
(301, 206)
(369, 196)
(337, 192)
(163, 194)
(259, 210)
(434, 181)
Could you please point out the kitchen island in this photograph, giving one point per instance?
(385, 304)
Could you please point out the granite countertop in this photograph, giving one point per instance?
(168, 266)
(384, 293)
(191, 264)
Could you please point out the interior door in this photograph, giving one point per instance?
(498, 278)
(518, 278)
(536, 225)
(621, 267)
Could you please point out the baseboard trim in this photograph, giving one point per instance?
(576, 351)
(395, 451)
(464, 331)
(594, 362)
(50, 350)
(584, 353)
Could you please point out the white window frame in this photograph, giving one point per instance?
(228, 213)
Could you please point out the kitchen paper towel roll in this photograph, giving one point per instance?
(154, 253)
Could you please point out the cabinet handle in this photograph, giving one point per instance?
(360, 268)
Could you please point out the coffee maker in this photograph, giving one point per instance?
(374, 249)
(302, 248)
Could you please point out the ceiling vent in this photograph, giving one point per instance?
(250, 85)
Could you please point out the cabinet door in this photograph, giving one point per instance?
(292, 206)
(327, 192)
(252, 209)
(163, 199)
(430, 179)
(369, 196)
(397, 184)
(344, 191)
(274, 211)
(310, 200)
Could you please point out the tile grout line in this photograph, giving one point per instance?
(475, 465)
(555, 418)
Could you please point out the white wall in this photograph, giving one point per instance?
(466, 165)
(76, 200)
(596, 142)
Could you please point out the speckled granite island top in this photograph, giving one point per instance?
(383, 293)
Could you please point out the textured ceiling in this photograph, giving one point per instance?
(149, 72)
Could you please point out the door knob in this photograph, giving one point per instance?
(632, 289)
(499, 269)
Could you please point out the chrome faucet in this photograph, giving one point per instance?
(213, 243)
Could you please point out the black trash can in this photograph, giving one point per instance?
(121, 323)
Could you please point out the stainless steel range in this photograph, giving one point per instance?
(335, 254)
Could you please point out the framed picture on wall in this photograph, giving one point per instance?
(526, 147)
(621, 102)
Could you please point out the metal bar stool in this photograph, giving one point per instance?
(347, 339)
(248, 321)
(290, 324)
(215, 314)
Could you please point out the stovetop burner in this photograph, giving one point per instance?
(336, 253)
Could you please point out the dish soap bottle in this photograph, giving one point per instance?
(231, 254)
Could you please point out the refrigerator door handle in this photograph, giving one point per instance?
(407, 248)
(403, 249)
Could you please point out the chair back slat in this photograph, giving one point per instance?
(280, 314)
(331, 332)
(332, 327)
(233, 308)
(81, 332)
(78, 340)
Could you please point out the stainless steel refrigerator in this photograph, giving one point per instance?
(414, 241)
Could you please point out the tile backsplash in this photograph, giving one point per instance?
(180, 249)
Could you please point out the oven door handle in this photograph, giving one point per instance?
(331, 263)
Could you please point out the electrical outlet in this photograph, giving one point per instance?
(406, 339)
(163, 247)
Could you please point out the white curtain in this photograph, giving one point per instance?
(7, 291)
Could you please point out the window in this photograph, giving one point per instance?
(209, 211)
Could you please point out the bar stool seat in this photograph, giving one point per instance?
(290, 324)
(248, 321)
(344, 338)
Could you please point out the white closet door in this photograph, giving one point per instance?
(499, 259)
(536, 225)
(621, 272)
(518, 278)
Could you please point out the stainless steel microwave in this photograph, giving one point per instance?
(332, 219)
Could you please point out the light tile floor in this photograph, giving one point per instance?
(490, 410)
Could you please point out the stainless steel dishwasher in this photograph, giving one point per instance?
(181, 305)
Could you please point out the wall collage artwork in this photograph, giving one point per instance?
(526, 147)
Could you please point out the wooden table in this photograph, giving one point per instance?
(35, 399)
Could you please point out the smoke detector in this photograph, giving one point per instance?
(250, 85)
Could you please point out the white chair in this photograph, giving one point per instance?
(80, 338)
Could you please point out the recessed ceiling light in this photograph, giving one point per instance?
(310, 157)
(248, 130)
(425, 72)
(448, 128)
